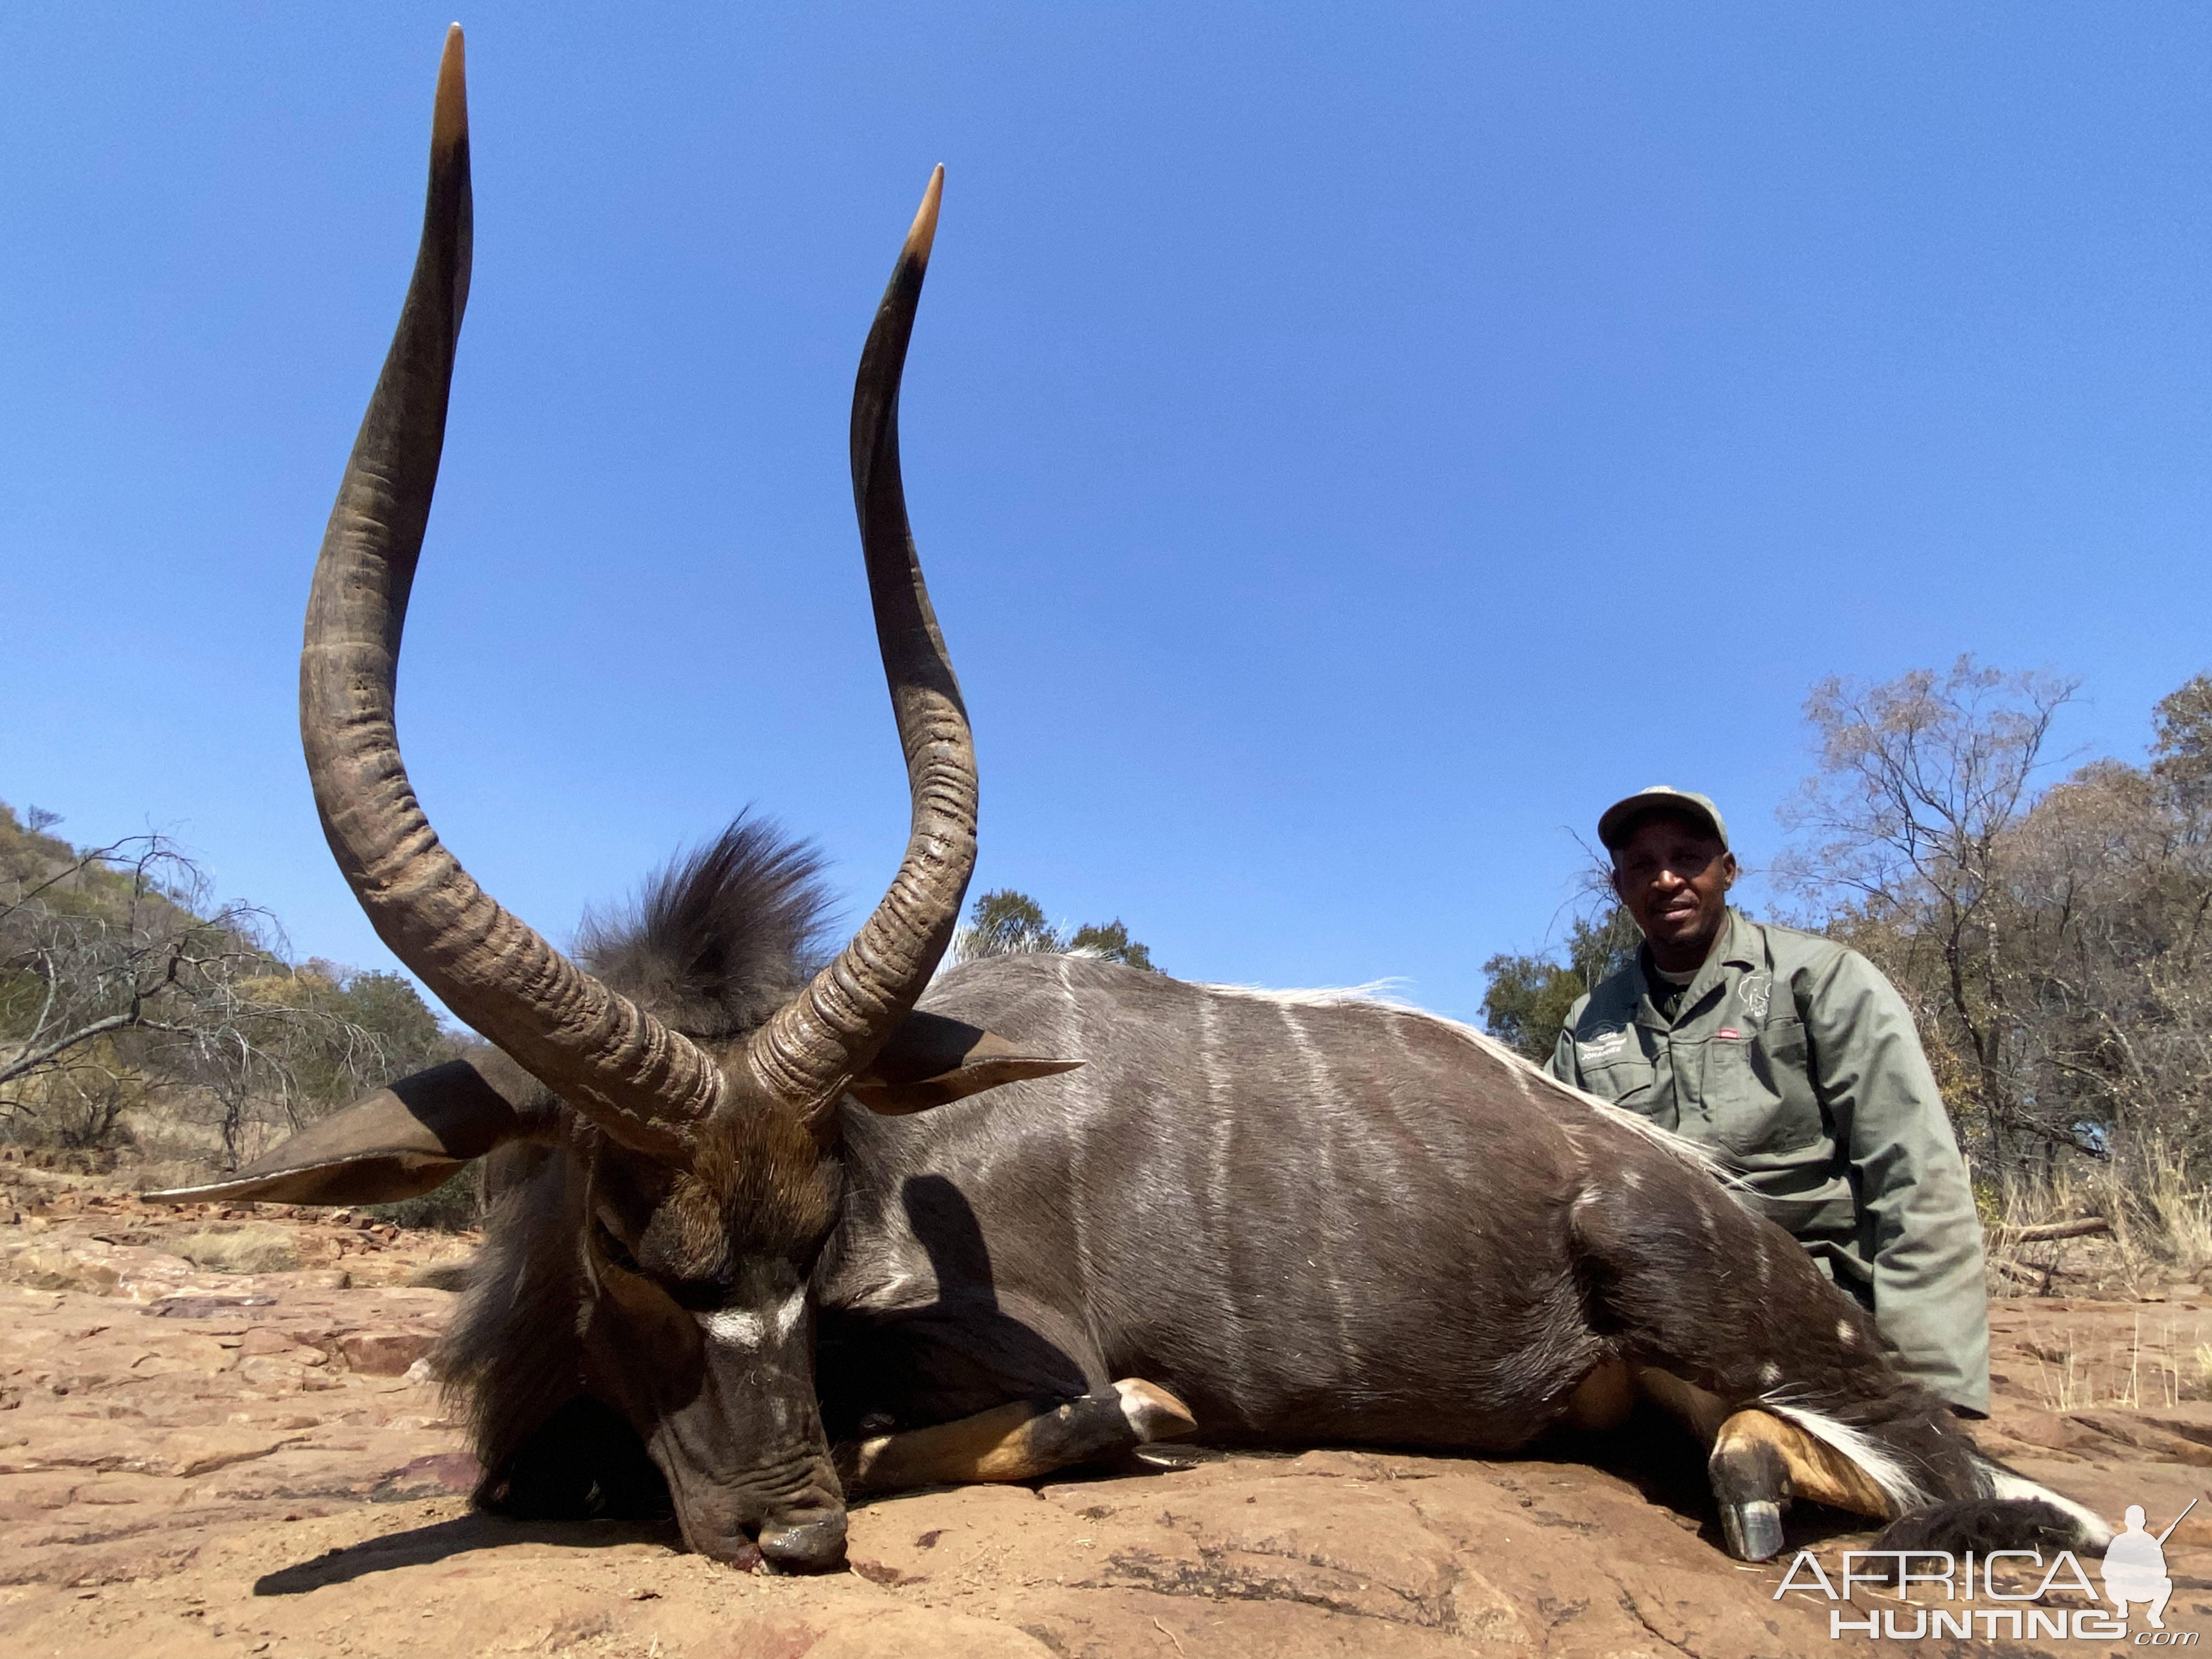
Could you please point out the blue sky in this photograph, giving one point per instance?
(1349, 446)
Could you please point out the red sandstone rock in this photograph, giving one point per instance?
(199, 1463)
(385, 1353)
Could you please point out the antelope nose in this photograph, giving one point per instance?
(813, 1547)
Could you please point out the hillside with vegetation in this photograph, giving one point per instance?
(136, 1012)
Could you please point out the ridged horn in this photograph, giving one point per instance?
(641, 1082)
(817, 1043)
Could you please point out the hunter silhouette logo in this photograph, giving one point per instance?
(2134, 1571)
(2135, 1567)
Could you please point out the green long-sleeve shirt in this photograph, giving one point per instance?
(1795, 1059)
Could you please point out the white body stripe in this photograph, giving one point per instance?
(1378, 994)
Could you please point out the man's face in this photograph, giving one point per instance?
(1674, 875)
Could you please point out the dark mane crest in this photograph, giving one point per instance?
(722, 936)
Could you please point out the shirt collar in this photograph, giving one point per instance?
(1739, 943)
(1738, 946)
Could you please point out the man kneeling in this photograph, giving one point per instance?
(1796, 1062)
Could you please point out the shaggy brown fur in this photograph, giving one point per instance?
(722, 938)
(715, 944)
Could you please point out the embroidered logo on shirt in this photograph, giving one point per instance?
(1753, 993)
(1607, 1045)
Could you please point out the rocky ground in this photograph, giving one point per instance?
(216, 1438)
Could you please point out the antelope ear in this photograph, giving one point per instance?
(400, 1142)
(930, 1059)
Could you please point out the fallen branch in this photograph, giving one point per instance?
(2080, 1228)
(2037, 1278)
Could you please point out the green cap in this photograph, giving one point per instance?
(1618, 819)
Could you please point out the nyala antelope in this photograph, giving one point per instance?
(781, 1226)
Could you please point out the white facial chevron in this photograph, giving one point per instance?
(741, 1327)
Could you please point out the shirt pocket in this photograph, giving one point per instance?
(1624, 1078)
(1758, 1092)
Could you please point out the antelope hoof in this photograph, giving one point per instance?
(1751, 1481)
(1751, 1529)
(1152, 1413)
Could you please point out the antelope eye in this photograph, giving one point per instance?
(612, 1249)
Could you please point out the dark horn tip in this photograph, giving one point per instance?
(450, 125)
(924, 230)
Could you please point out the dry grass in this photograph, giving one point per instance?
(242, 1249)
(2162, 1361)
(2020, 1202)
(2161, 1224)
(2179, 1214)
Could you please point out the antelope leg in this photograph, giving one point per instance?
(1761, 1462)
(1814, 1469)
(1602, 1400)
(1758, 1462)
(1700, 1408)
(1750, 1478)
(1015, 1442)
